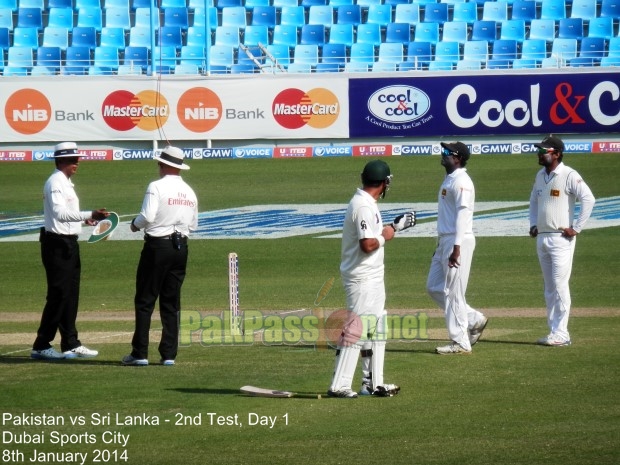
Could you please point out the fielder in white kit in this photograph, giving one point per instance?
(362, 271)
(553, 224)
(451, 263)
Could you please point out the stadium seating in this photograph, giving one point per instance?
(398, 33)
(466, 11)
(349, 14)
(26, 37)
(49, 57)
(285, 34)
(484, 30)
(476, 50)
(455, 31)
(264, 16)
(60, 17)
(84, 37)
(342, 34)
(419, 54)
(56, 37)
(112, 37)
(77, 60)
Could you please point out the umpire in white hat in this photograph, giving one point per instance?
(169, 213)
(60, 254)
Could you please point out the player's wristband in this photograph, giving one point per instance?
(381, 240)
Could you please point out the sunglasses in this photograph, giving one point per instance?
(542, 151)
(70, 160)
(449, 153)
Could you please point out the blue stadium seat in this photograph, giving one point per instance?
(342, 34)
(118, 17)
(5, 41)
(40, 71)
(137, 57)
(26, 37)
(170, 36)
(255, 35)
(524, 9)
(264, 16)
(379, 14)
(391, 52)
(142, 17)
(419, 53)
(436, 13)
(106, 59)
(427, 32)
(542, 29)
(534, 49)
(285, 34)
(591, 51)
(50, 57)
(201, 17)
(56, 37)
(484, 30)
(299, 68)
(293, 15)
(308, 3)
(524, 63)
(468, 65)
(564, 49)
(242, 68)
(584, 9)
(234, 16)
(284, 3)
(570, 28)
(610, 61)
(84, 37)
(455, 31)
(407, 13)
(32, 4)
(251, 4)
(220, 4)
(505, 49)
(398, 33)
(601, 27)
(553, 9)
(9, 4)
(252, 55)
(196, 36)
(20, 57)
(30, 17)
(513, 29)
(179, 17)
(312, 34)
(328, 68)
(610, 8)
(306, 53)
(127, 70)
(362, 52)
(467, 11)
(6, 18)
(87, 4)
(339, 3)
(108, 3)
(447, 52)
(349, 14)
(334, 54)
(384, 67)
(396, 2)
(140, 37)
(476, 50)
(60, 17)
(356, 67)
(77, 60)
(112, 37)
(165, 56)
(321, 14)
(281, 53)
(495, 11)
(369, 33)
(441, 65)
(90, 17)
(165, 4)
(193, 55)
(228, 36)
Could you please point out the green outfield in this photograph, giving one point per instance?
(511, 402)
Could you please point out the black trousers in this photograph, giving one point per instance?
(61, 259)
(160, 274)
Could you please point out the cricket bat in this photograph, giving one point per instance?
(261, 392)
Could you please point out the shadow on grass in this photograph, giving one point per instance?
(20, 360)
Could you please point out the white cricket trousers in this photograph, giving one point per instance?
(447, 286)
(555, 254)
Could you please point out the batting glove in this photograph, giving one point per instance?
(404, 221)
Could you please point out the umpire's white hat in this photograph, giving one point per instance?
(172, 156)
(66, 149)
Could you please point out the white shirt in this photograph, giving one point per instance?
(362, 221)
(61, 206)
(456, 200)
(169, 205)
(552, 201)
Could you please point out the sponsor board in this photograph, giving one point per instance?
(333, 151)
(15, 155)
(292, 152)
(254, 152)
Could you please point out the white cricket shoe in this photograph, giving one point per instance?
(81, 352)
(386, 390)
(167, 362)
(345, 393)
(366, 389)
(553, 340)
(452, 349)
(476, 331)
(47, 354)
(129, 360)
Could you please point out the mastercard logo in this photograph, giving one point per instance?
(28, 111)
(147, 110)
(294, 108)
(199, 109)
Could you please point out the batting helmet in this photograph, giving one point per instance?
(375, 172)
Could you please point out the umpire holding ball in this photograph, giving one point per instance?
(169, 212)
(60, 254)
(362, 270)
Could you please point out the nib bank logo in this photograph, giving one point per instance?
(27, 111)
(199, 109)
(147, 110)
(294, 108)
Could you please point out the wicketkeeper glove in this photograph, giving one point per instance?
(404, 221)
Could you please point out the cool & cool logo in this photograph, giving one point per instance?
(399, 104)
(294, 108)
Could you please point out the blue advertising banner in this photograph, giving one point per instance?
(493, 104)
